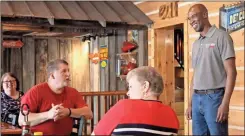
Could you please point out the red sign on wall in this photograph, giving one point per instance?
(12, 44)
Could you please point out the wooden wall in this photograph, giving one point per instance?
(236, 117)
(29, 62)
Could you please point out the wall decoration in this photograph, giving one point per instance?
(102, 55)
(168, 10)
(103, 63)
(232, 17)
(95, 58)
(12, 43)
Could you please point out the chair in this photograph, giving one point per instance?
(78, 124)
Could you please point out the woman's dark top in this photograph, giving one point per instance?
(10, 108)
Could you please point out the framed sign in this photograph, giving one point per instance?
(232, 17)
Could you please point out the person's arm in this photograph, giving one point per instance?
(34, 118)
(80, 108)
(79, 112)
(230, 68)
(38, 118)
(228, 56)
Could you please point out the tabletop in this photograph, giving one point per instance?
(7, 129)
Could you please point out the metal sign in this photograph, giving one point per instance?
(232, 17)
(12, 44)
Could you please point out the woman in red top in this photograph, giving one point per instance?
(143, 113)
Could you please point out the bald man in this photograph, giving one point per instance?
(214, 75)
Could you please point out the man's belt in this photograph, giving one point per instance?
(207, 91)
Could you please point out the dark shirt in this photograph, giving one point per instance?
(10, 108)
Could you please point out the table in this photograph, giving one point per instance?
(7, 129)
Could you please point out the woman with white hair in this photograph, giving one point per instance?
(142, 113)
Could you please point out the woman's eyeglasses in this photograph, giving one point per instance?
(10, 81)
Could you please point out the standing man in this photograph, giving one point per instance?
(53, 104)
(214, 75)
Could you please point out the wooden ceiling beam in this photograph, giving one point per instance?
(28, 28)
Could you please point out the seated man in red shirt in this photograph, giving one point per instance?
(142, 114)
(53, 104)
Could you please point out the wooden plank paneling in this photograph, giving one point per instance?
(16, 64)
(179, 108)
(237, 98)
(80, 74)
(28, 51)
(240, 78)
(64, 50)
(6, 59)
(236, 118)
(238, 38)
(53, 49)
(240, 58)
(160, 60)
(181, 119)
(150, 6)
(41, 60)
(164, 63)
(237, 132)
(169, 67)
(112, 62)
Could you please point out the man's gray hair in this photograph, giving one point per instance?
(54, 65)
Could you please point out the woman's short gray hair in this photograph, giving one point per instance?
(147, 73)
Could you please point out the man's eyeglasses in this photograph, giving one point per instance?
(10, 81)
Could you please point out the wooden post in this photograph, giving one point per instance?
(186, 76)
(41, 60)
(95, 77)
(143, 48)
(28, 51)
(1, 49)
(112, 62)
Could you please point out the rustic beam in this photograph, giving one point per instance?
(12, 36)
(14, 27)
(70, 23)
